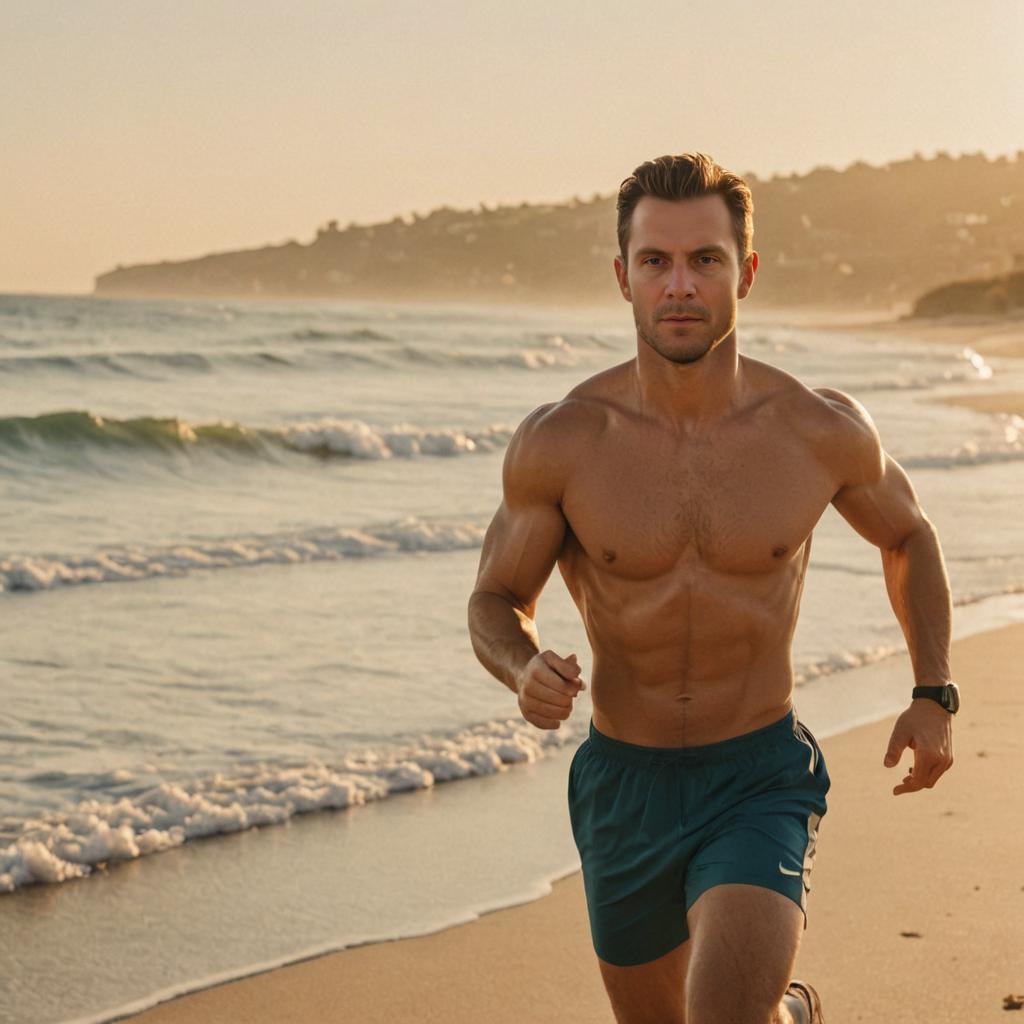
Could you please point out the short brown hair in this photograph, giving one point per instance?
(688, 176)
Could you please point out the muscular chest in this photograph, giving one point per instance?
(737, 504)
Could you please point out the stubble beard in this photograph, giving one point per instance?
(649, 333)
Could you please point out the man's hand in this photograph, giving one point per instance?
(927, 728)
(547, 686)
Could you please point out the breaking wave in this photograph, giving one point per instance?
(328, 436)
(135, 562)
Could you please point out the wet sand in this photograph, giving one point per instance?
(1009, 402)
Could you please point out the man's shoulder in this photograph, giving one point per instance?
(844, 435)
(581, 414)
(836, 427)
(553, 437)
(553, 425)
(835, 402)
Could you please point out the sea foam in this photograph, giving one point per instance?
(71, 844)
(136, 562)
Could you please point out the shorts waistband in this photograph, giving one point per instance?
(707, 753)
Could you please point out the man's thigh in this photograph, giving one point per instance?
(745, 940)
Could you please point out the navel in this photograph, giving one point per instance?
(608, 556)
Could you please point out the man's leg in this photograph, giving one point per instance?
(745, 940)
(650, 993)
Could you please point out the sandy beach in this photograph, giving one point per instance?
(916, 909)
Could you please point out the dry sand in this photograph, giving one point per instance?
(916, 909)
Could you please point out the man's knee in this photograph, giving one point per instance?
(738, 1006)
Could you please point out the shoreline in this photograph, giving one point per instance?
(995, 336)
(926, 867)
(1002, 337)
(1006, 403)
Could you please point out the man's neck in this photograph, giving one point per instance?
(689, 397)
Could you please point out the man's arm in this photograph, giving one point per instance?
(520, 549)
(878, 500)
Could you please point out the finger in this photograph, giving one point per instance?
(548, 710)
(558, 693)
(563, 666)
(897, 744)
(576, 666)
(906, 787)
(543, 723)
(539, 694)
(549, 678)
(925, 765)
(911, 783)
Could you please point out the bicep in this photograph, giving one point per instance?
(519, 551)
(883, 511)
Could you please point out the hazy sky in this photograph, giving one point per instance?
(140, 130)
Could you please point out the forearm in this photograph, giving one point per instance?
(504, 637)
(915, 577)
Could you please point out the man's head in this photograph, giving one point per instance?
(685, 230)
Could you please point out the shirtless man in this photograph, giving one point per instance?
(678, 493)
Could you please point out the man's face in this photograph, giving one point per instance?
(683, 276)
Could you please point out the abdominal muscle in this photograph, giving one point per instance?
(686, 713)
(690, 661)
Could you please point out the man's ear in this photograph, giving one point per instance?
(747, 271)
(622, 277)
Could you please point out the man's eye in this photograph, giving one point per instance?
(651, 259)
(714, 259)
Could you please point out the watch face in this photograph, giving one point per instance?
(951, 698)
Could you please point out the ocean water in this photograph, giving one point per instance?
(237, 544)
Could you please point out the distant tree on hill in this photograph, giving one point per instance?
(903, 228)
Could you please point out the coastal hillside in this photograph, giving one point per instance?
(869, 236)
(997, 295)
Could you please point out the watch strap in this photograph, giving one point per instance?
(944, 695)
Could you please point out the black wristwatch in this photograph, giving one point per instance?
(948, 696)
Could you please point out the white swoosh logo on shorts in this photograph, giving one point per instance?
(786, 871)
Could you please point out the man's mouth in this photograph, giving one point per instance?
(681, 319)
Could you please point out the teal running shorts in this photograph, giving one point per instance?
(657, 826)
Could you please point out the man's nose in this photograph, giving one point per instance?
(680, 281)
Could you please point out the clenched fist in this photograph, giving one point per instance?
(547, 685)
